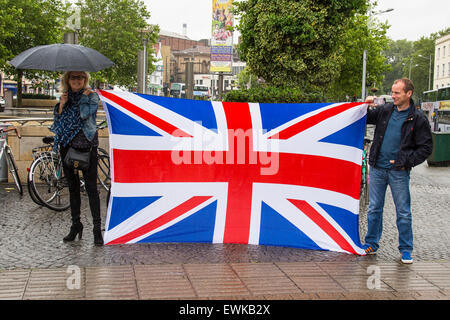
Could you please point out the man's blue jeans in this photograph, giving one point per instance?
(398, 181)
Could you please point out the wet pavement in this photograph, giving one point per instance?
(36, 264)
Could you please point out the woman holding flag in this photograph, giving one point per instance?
(75, 127)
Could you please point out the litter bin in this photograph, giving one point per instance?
(440, 157)
(3, 163)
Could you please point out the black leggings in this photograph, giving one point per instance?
(90, 179)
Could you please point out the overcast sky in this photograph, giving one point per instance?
(411, 19)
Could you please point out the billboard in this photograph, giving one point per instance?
(221, 36)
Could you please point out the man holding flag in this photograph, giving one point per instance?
(402, 140)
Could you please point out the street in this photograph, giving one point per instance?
(31, 236)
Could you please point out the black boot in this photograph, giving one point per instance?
(98, 238)
(75, 229)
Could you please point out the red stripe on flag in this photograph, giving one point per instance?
(147, 116)
(161, 220)
(318, 219)
(312, 121)
(239, 202)
(142, 166)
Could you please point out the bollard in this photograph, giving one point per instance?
(3, 162)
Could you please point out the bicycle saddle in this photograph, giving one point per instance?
(48, 140)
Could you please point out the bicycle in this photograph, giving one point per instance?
(10, 161)
(46, 182)
(364, 190)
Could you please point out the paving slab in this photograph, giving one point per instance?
(36, 264)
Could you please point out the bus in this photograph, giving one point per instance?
(436, 105)
(177, 90)
(201, 92)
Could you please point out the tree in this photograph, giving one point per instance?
(30, 23)
(113, 27)
(361, 34)
(247, 80)
(412, 59)
(294, 43)
(9, 19)
(419, 61)
(397, 54)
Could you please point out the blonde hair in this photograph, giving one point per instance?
(64, 87)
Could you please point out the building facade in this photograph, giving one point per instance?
(179, 42)
(178, 49)
(155, 81)
(199, 55)
(442, 62)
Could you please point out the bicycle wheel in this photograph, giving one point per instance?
(103, 171)
(30, 177)
(48, 183)
(107, 198)
(366, 189)
(13, 169)
(31, 191)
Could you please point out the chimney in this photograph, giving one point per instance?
(185, 29)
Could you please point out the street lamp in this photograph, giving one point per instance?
(429, 74)
(410, 67)
(142, 82)
(363, 90)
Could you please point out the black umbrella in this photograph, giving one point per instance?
(61, 57)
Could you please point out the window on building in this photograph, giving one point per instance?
(437, 71)
(438, 53)
(448, 69)
(443, 70)
(443, 53)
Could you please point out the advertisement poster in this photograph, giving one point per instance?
(444, 105)
(221, 36)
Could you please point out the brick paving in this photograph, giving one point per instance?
(36, 264)
(253, 281)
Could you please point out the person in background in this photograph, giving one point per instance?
(75, 125)
(402, 140)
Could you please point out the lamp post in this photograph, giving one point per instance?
(363, 85)
(410, 67)
(142, 62)
(429, 72)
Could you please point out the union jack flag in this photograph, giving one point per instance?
(219, 172)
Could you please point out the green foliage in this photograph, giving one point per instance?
(294, 43)
(360, 34)
(9, 18)
(272, 94)
(397, 53)
(247, 79)
(414, 56)
(26, 24)
(113, 27)
(37, 96)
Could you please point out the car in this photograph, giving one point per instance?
(387, 98)
(2, 101)
(57, 95)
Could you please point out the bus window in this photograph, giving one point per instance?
(443, 94)
(201, 91)
(430, 96)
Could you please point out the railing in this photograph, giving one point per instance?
(22, 121)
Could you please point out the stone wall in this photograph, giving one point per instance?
(36, 103)
(32, 137)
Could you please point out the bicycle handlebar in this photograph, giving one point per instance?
(11, 129)
(102, 125)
